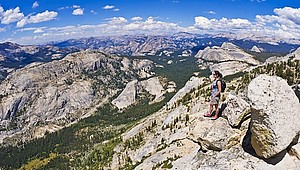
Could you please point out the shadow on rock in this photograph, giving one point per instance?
(249, 149)
(276, 159)
(247, 144)
(223, 106)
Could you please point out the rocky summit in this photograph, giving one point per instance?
(258, 127)
(182, 138)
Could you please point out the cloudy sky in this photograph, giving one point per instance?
(41, 21)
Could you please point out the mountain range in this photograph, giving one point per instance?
(14, 56)
(151, 45)
(83, 104)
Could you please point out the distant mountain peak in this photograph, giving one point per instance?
(229, 46)
(256, 49)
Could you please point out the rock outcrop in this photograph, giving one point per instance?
(127, 97)
(275, 109)
(228, 59)
(154, 87)
(14, 56)
(227, 52)
(229, 68)
(296, 54)
(133, 88)
(237, 109)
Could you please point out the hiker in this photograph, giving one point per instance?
(215, 96)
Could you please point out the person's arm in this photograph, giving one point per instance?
(219, 88)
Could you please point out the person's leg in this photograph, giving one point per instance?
(217, 112)
(208, 114)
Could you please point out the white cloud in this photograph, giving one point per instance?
(40, 17)
(282, 26)
(22, 22)
(76, 6)
(151, 26)
(35, 4)
(202, 22)
(117, 20)
(30, 29)
(113, 26)
(38, 31)
(289, 14)
(211, 12)
(94, 12)
(136, 18)
(222, 24)
(116, 9)
(78, 11)
(62, 8)
(11, 15)
(108, 7)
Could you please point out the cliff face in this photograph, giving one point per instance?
(61, 92)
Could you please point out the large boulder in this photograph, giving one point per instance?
(275, 115)
(212, 135)
(236, 110)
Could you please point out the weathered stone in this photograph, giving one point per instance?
(154, 87)
(237, 158)
(293, 56)
(236, 110)
(130, 92)
(275, 115)
(227, 52)
(127, 97)
(212, 135)
(230, 67)
(179, 154)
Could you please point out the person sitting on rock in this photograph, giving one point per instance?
(215, 96)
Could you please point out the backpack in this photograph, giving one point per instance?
(223, 85)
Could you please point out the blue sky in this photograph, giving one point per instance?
(40, 21)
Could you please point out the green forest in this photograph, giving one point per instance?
(89, 143)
